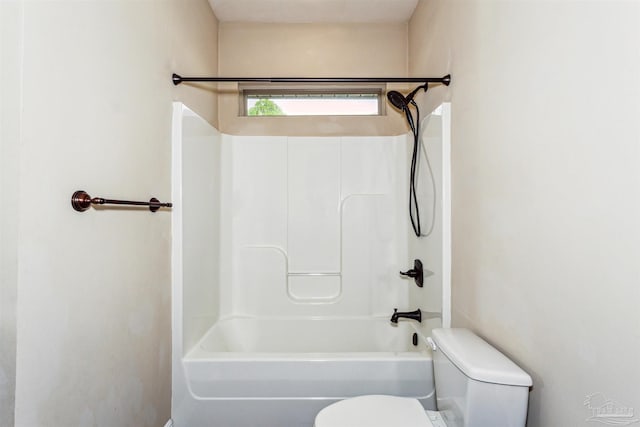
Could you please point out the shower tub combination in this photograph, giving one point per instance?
(307, 337)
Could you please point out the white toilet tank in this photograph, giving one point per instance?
(476, 385)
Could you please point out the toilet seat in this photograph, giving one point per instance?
(374, 411)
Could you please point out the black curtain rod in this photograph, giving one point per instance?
(446, 80)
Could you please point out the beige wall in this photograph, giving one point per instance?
(309, 50)
(546, 178)
(93, 288)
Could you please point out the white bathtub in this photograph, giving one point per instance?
(281, 372)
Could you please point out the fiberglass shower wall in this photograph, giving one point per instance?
(313, 226)
(195, 227)
(433, 248)
(305, 226)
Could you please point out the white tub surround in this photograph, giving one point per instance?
(285, 278)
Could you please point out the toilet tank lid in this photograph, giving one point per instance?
(477, 358)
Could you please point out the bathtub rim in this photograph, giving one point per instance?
(198, 355)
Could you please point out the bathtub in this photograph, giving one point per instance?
(281, 372)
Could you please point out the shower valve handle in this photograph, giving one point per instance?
(416, 273)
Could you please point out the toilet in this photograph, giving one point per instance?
(476, 386)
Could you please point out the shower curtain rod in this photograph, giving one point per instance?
(177, 79)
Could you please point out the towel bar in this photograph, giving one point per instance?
(81, 201)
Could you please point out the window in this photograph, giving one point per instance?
(305, 101)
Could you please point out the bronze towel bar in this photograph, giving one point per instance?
(81, 201)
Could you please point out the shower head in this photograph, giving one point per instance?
(401, 102)
(397, 99)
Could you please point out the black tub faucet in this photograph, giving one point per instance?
(415, 315)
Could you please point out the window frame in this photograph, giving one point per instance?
(305, 90)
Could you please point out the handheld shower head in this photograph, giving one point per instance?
(397, 100)
(402, 102)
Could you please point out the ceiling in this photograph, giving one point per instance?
(314, 11)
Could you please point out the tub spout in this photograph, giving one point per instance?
(415, 315)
